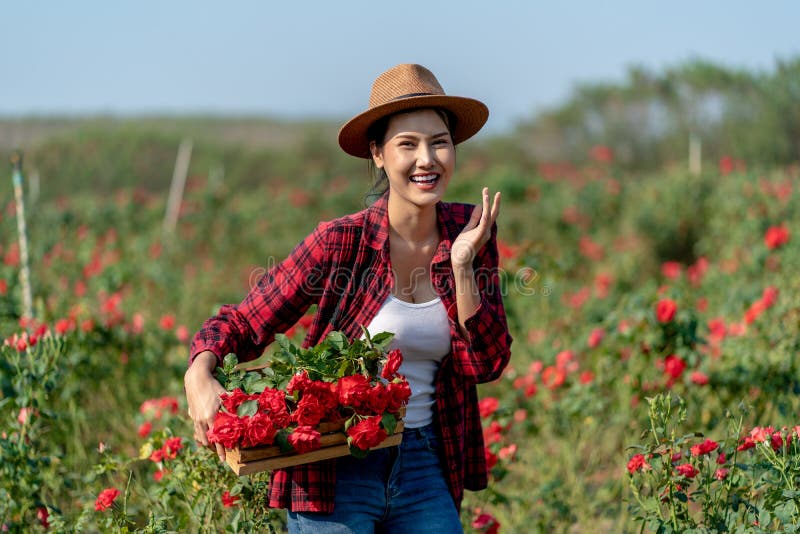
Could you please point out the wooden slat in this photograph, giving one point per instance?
(326, 453)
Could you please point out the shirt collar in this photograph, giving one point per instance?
(376, 228)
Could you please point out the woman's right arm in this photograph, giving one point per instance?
(277, 301)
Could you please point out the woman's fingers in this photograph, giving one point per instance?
(496, 207)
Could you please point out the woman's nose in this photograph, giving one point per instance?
(424, 155)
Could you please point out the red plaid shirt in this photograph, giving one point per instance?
(344, 268)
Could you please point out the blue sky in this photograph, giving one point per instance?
(307, 59)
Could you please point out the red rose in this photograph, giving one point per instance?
(485, 523)
(368, 433)
(637, 463)
(304, 439)
(397, 394)
(491, 458)
(228, 500)
(171, 447)
(699, 378)
(378, 399)
(488, 406)
(227, 430)
(273, 402)
(42, 514)
(144, 429)
(232, 400)
(299, 382)
(259, 431)
(309, 411)
(665, 310)
(674, 366)
(392, 365)
(326, 392)
(106, 499)
(687, 470)
(704, 448)
(769, 296)
(776, 236)
(354, 391)
(671, 269)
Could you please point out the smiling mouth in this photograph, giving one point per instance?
(425, 178)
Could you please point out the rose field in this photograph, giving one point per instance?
(653, 384)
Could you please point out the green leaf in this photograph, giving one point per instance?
(282, 440)
(355, 451)
(247, 408)
(389, 422)
(283, 342)
(338, 340)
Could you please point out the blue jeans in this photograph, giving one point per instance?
(393, 490)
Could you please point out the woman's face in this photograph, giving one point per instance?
(418, 156)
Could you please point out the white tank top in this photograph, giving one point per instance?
(422, 333)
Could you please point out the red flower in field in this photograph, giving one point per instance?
(674, 366)
(721, 459)
(671, 270)
(105, 499)
(638, 463)
(776, 236)
(697, 271)
(392, 365)
(353, 390)
(227, 430)
(229, 501)
(699, 378)
(769, 296)
(602, 283)
(553, 377)
(309, 411)
(754, 311)
(761, 434)
(171, 447)
(259, 431)
(232, 400)
(3, 287)
(665, 310)
(726, 165)
(587, 377)
(596, 337)
(493, 433)
(182, 333)
(485, 523)
(398, 394)
(157, 455)
(64, 325)
(42, 514)
(704, 448)
(158, 475)
(601, 154)
(508, 452)
(368, 433)
(590, 249)
(563, 358)
(687, 470)
(797, 431)
(304, 439)
(491, 458)
(702, 304)
(747, 443)
(776, 440)
(87, 325)
(716, 330)
(167, 322)
(721, 473)
(144, 429)
(488, 406)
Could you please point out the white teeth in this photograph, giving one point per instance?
(428, 178)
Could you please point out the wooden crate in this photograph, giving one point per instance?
(333, 444)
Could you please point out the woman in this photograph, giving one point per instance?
(410, 264)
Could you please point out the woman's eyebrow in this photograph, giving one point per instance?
(414, 136)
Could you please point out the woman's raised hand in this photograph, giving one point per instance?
(203, 396)
(476, 233)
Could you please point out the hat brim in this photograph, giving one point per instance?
(470, 116)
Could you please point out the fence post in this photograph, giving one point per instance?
(22, 230)
(176, 188)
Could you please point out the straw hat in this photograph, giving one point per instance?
(403, 88)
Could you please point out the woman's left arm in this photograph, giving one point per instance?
(483, 348)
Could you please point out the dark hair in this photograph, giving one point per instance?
(377, 132)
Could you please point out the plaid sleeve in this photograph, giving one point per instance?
(278, 300)
(483, 356)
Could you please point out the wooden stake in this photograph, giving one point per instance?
(22, 230)
(176, 188)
